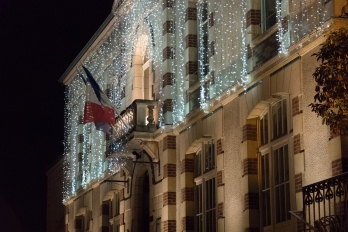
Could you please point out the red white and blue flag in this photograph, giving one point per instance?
(98, 107)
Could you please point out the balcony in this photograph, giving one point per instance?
(325, 205)
(139, 117)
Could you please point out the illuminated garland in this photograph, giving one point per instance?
(179, 83)
(281, 31)
(306, 18)
(229, 62)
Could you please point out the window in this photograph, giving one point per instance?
(268, 14)
(205, 188)
(275, 163)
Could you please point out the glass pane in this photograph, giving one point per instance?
(209, 158)
(210, 225)
(214, 221)
(282, 198)
(279, 117)
(267, 170)
(266, 128)
(286, 163)
(282, 189)
(285, 120)
(277, 202)
(199, 223)
(262, 132)
(207, 195)
(276, 167)
(287, 201)
(266, 215)
(281, 165)
(212, 153)
(213, 191)
(206, 158)
(198, 164)
(274, 122)
(208, 221)
(263, 172)
(200, 197)
(270, 13)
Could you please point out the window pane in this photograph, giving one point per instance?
(269, 14)
(198, 207)
(264, 129)
(210, 223)
(209, 158)
(267, 180)
(279, 118)
(285, 120)
(282, 190)
(274, 123)
(287, 201)
(286, 163)
(266, 215)
(276, 168)
(197, 164)
(281, 165)
(265, 171)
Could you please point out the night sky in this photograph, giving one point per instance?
(39, 39)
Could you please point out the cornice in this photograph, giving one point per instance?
(97, 39)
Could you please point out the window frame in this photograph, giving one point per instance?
(203, 179)
(264, 16)
(272, 145)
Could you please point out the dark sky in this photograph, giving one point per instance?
(38, 41)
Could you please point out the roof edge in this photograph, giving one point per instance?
(86, 47)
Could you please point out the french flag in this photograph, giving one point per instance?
(98, 107)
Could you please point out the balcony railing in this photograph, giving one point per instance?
(326, 205)
(138, 117)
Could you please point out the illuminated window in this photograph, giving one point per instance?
(205, 188)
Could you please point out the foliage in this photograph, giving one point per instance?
(331, 98)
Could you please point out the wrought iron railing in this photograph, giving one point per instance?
(325, 205)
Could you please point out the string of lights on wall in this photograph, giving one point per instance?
(111, 64)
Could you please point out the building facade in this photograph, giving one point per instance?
(213, 130)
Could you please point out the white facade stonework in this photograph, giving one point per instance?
(213, 130)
